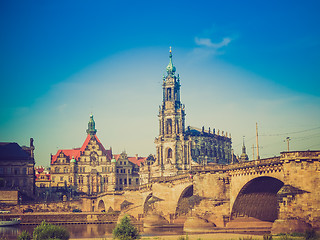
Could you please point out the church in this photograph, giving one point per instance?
(93, 169)
(179, 148)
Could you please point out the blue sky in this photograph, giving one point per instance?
(240, 62)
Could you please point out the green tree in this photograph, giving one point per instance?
(24, 236)
(48, 231)
(125, 230)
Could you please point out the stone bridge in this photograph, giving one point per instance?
(285, 187)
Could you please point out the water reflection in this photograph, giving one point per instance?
(87, 230)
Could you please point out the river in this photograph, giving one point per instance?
(87, 231)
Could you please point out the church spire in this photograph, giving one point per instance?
(91, 126)
(170, 68)
(244, 156)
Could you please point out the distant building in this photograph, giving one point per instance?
(127, 170)
(178, 148)
(43, 177)
(93, 169)
(17, 169)
(244, 155)
(43, 183)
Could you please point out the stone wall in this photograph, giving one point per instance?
(9, 197)
(302, 200)
(66, 206)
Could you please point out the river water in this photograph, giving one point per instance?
(87, 231)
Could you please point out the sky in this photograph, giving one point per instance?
(240, 63)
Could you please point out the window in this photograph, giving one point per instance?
(125, 181)
(61, 179)
(124, 163)
(129, 181)
(9, 183)
(24, 171)
(169, 154)
(168, 94)
(137, 180)
(1, 170)
(169, 126)
(120, 181)
(53, 179)
(15, 183)
(9, 170)
(16, 171)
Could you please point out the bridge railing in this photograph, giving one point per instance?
(300, 155)
(170, 178)
(248, 164)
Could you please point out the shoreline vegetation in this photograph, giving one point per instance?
(204, 236)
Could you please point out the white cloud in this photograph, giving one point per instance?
(207, 42)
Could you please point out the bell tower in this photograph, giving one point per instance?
(171, 120)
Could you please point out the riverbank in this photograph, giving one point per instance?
(205, 236)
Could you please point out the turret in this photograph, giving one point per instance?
(91, 127)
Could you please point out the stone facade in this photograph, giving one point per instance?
(17, 169)
(92, 169)
(250, 193)
(43, 177)
(178, 148)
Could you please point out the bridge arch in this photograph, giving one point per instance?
(185, 201)
(258, 199)
(146, 204)
(101, 206)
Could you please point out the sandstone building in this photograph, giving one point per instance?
(177, 147)
(43, 178)
(17, 169)
(92, 169)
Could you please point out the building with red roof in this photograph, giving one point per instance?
(92, 168)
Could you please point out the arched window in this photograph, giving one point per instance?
(169, 153)
(177, 127)
(168, 94)
(169, 126)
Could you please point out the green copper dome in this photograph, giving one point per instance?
(170, 68)
(113, 160)
(91, 126)
(73, 160)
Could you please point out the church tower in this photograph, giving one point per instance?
(244, 156)
(171, 122)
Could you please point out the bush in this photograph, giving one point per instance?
(125, 230)
(310, 234)
(267, 237)
(47, 231)
(245, 238)
(286, 237)
(183, 238)
(24, 236)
